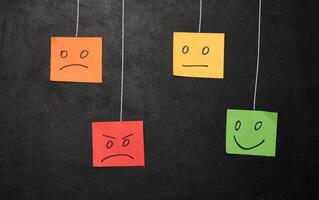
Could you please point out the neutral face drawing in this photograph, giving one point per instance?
(118, 144)
(251, 132)
(198, 55)
(76, 59)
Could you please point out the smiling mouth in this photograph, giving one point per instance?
(195, 65)
(73, 65)
(116, 155)
(248, 148)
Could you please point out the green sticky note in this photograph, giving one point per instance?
(251, 132)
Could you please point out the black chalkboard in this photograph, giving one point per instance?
(45, 127)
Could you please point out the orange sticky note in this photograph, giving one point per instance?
(76, 59)
(117, 144)
(199, 55)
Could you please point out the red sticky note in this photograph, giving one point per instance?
(117, 144)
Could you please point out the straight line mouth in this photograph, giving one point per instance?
(195, 65)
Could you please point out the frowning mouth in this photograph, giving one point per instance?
(195, 65)
(73, 65)
(248, 148)
(115, 155)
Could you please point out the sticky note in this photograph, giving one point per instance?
(76, 59)
(199, 55)
(251, 132)
(118, 144)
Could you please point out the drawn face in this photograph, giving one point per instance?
(76, 59)
(251, 132)
(118, 144)
(198, 55)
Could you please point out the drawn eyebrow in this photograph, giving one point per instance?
(127, 136)
(109, 136)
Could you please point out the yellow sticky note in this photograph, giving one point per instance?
(199, 55)
(76, 59)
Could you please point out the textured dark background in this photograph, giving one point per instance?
(45, 144)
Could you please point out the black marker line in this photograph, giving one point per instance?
(74, 65)
(115, 156)
(109, 136)
(127, 136)
(195, 65)
(248, 148)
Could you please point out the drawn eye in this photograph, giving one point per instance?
(258, 125)
(109, 144)
(63, 54)
(126, 142)
(205, 50)
(84, 53)
(237, 125)
(185, 49)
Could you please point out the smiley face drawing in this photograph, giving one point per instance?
(251, 132)
(76, 59)
(117, 144)
(199, 55)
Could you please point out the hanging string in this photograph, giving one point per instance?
(77, 18)
(258, 53)
(200, 15)
(122, 73)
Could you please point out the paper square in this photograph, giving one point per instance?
(251, 132)
(76, 59)
(199, 55)
(117, 144)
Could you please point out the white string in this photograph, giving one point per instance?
(122, 74)
(258, 52)
(200, 15)
(77, 18)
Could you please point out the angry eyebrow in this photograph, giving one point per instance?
(127, 136)
(109, 136)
